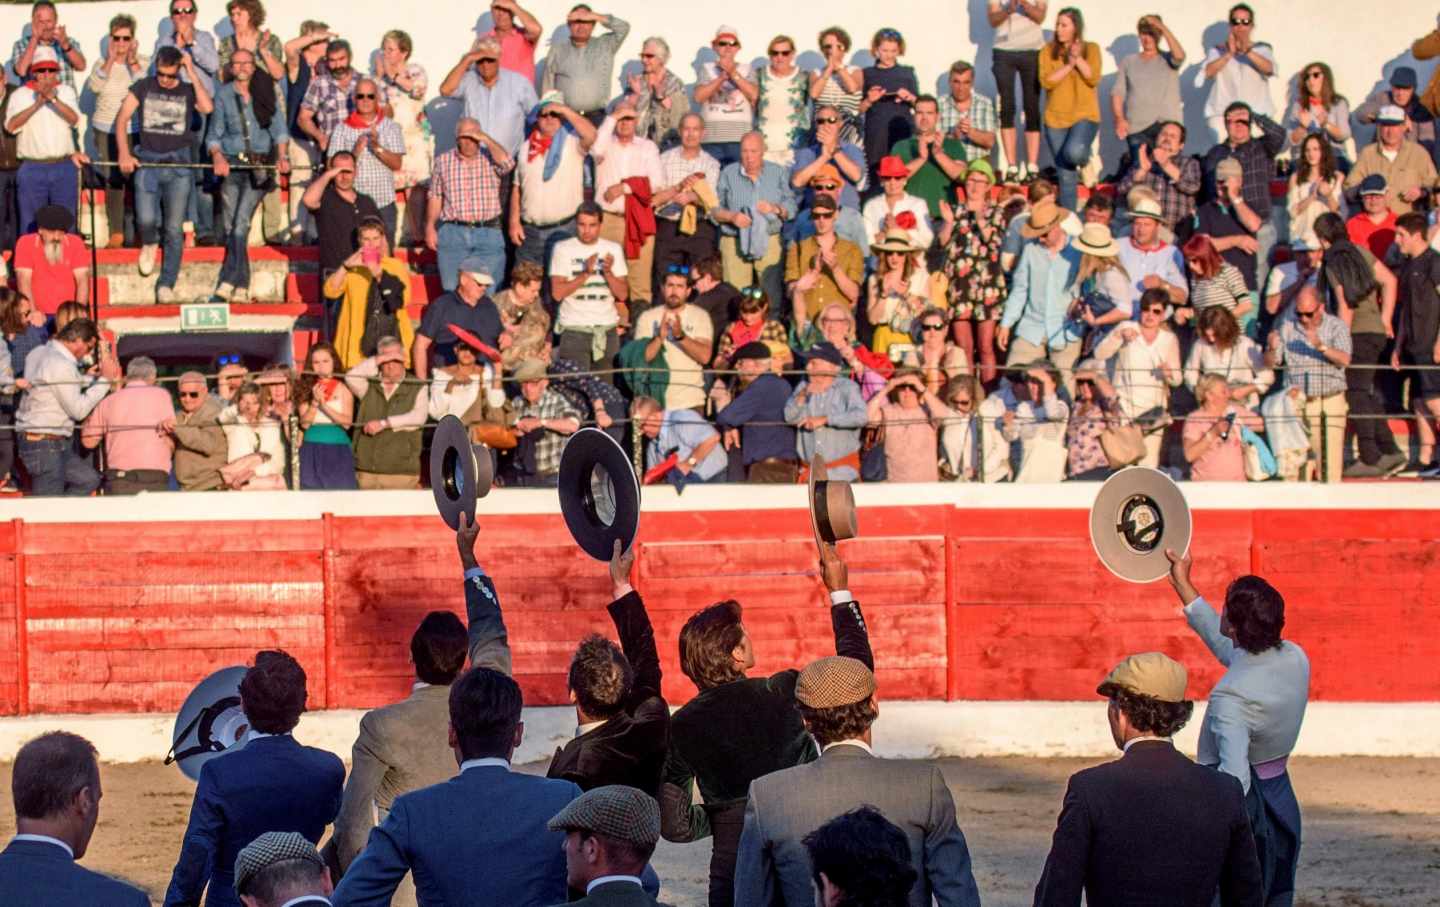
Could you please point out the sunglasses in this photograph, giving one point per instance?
(1156, 310)
(826, 121)
(753, 293)
(365, 96)
(825, 187)
(960, 401)
(894, 179)
(161, 74)
(187, 11)
(1240, 22)
(682, 270)
(930, 327)
(727, 43)
(228, 360)
(121, 38)
(483, 60)
(831, 46)
(888, 34)
(43, 70)
(550, 115)
(190, 395)
(781, 53)
(1313, 313)
(822, 215)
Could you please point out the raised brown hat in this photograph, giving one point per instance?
(831, 682)
(832, 507)
(613, 811)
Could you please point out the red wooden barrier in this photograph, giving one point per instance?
(962, 604)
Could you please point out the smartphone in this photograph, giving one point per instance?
(370, 256)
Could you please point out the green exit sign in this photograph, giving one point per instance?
(205, 316)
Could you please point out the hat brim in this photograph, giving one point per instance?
(460, 472)
(599, 493)
(1033, 232)
(832, 506)
(195, 740)
(891, 247)
(1138, 513)
(1109, 250)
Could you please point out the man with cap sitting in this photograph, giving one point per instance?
(1287, 279)
(52, 264)
(1419, 121)
(56, 785)
(391, 411)
(401, 747)
(1035, 324)
(544, 418)
(1373, 227)
(837, 701)
(468, 307)
(1408, 169)
(754, 418)
(740, 728)
(1255, 711)
(462, 211)
(610, 833)
(1151, 827)
(683, 433)
(281, 869)
(827, 412)
(272, 783)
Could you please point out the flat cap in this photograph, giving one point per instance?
(270, 848)
(613, 811)
(54, 217)
(1152, 674)
(834, 681)
(755, 349)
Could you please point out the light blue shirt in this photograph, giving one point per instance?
(501, 108)
(1040, 298)
(203, 52)
(849, 226)
(681, 431)
(1163, 261)
(844, 410)
(226, 130)
(737, 191)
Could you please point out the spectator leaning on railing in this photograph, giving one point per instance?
(133, 422)
(200, 445)
(391, 411)
(61, 395)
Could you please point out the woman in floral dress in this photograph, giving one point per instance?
(972, 236)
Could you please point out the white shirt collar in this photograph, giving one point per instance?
(253, 734)
(1134, 740)
(484, 763)
(587, 727)
(46, 839)
(603, 880)
(860, 743)
(312, 898)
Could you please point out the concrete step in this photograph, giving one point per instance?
(197, 280)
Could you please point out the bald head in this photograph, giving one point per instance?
(752, 153)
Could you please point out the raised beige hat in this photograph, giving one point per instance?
(1152, 674)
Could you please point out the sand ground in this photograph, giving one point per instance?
(1372, 828)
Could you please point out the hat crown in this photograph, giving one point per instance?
(1152, 674)
(834, 681)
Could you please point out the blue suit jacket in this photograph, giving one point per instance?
(479, 838)
(38, 874)
(272, 784)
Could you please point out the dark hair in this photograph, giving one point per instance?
(840, 34)
(1148, 714)
(1154, 295)
(343, 152)
(1256, 613)
(1217, 318)
(169, 55)
(843, 722)
(41, 4)
(338, 44)
(1237, 105)
(1236, 8)
(960, 67)
(272, 692)
(171, 8)
(306, 381)
(50, 771)
(484, 711)
(1177, 124)
(255, 8)
(277, 881)
(1327, 159)
(1412, 222)
(711, 266)
(438, 648)
(1077, 19)
(926, 99)
(79, 329)
(590, 209)
(866, 856)
(600, 677)
(10, 320)
(707, 645)
(1099, 201)
(621, 855)
(1330, 228)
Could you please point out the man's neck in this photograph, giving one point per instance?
(347, 194)
(46, 828)
(756, 174)
(579, 43)
(1390, 149)
(689, 153)
(467, 296)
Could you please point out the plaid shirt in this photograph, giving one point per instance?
(1305, 366)
(675, 168)
(469, 188)
(67, 72)
(982, 119)
(372, 177)
(548, 447)
(1257, 160)
(582, 390)
(331, 104)
(1177, 197)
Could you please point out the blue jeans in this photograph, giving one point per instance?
(240, 198)
(540, 242)
(55, 468)
(169, 189)
(46, 184)
(456, 242)
(1070, 149)
(200, 207)
(724, 152)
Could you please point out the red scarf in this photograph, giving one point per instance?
(355, 121)
(539, 145)
(327, 388)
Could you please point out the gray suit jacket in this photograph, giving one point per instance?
(785, 806)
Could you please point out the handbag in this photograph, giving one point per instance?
(1124, 445)
(1260, 463)
(494, 436)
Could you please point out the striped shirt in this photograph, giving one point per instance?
(1226, 288)
(469, 188)
(1305, 366)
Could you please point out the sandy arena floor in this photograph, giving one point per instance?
(1372, 828)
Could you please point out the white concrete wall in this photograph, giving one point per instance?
(1360, 41)
(908, 730)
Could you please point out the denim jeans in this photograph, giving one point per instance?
(55, 468)
(724, 152)
(163, 190)
(46, 184)
(1070, 149)
(456, 242)
(200, 205)
(240, 198)
(540, 242)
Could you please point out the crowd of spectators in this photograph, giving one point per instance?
(933, 301)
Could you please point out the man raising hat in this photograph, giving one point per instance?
(610, 833)
(837, 702)
(1151, 827)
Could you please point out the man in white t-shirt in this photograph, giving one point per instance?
(1240, 69)
(587, 280)
(685, 333)
(1288, 279)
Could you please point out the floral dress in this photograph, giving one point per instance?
(782, 113)
(972, 265)
(409, 110)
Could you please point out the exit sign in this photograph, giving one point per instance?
(205, 316)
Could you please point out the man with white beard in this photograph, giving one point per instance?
(51, 264)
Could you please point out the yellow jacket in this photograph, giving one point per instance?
(1075, 97)
(355, 294)
(1423, 49)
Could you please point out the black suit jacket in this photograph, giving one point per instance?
(40, 874)
(1152, 828)
(629, 748)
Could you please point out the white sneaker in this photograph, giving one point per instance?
(165, 295)
(224, 292)
(241, 294)
(148, 254)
